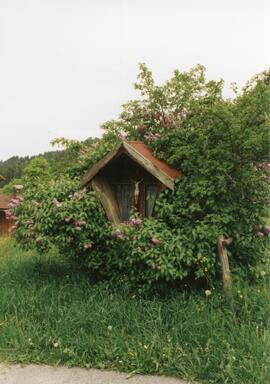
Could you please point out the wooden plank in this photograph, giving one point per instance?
(149, 166)
(89, 175)
(107, 198)
(4, 224)
(223, 256)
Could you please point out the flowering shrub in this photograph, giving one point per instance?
(221, 146)
(10, 212)
(61, 214)
(156, 252)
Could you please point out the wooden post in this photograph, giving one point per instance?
(223, 256)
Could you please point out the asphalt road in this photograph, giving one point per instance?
(44, 374)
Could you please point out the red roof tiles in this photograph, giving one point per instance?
(145, 151)
(143, 155)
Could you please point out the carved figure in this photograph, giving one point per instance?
(136, 190)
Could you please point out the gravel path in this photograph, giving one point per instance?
(44, 374)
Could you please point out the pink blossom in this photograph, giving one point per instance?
(118, 234)
(263, 166)
(78, 195)
(155, 241)
(67, 219)
(267, 229)
(79, 223)
(7, 213)
(15, 200)
(78, 228)
(141, 130)
(12, 228)
(164, 123)
(158, 116)
(121, 136)
(18, 187)
(136, 222)
(152, 136)
(87, 246)
(259, 234)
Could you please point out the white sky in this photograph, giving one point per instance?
(66, 66)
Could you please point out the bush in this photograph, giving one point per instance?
(221, 146)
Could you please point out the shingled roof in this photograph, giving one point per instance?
(142, 155)
(4, 201)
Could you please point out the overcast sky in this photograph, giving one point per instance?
(66, 66)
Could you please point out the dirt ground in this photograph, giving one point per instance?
(44, 374)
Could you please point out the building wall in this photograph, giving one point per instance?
(4, 224)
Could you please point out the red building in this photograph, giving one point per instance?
(4, 223)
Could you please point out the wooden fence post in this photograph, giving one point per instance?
(223, 256)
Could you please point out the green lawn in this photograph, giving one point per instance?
(52, 313)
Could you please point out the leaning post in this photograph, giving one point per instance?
(225, 267)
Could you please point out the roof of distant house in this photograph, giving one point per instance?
(4, 201)
(142, 155)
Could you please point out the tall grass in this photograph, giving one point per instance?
(52, 313)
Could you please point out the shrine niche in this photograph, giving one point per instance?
(130, 177)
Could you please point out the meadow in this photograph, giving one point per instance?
(52, 312)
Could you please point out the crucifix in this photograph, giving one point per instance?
(136, 190)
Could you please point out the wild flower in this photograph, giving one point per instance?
(207, 292)
(56, 203)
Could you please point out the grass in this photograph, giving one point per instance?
(52, 313)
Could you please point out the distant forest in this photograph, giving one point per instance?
(13, 167)
(58, 160)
